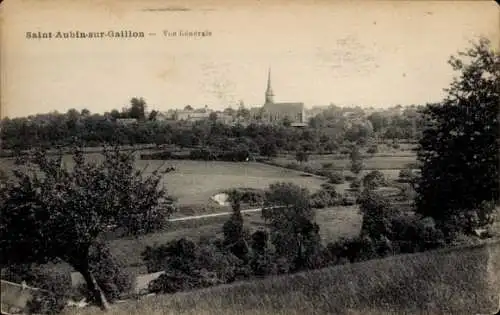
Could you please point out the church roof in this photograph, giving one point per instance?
(284, 107)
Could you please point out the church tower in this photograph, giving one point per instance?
(269, 90)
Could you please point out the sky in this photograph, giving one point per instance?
(362, 53)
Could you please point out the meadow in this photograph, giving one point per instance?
(335, 222)
(194, 182)
(377, 162)
(463, 280)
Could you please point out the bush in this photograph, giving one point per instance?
(248, 196)
(355, 184)
(110, 274)
(327, 165)
(396, 146)
(188, 266)
(350, 178)
(374, 179)
(56, 286)
(353, 250)
(336, 178)
(406, 175)
(414, 235)
(372, 149)
(378, 213)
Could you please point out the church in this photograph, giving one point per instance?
(273, 112)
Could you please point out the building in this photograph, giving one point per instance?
(126, 121)
(193, 114)
(273, 112)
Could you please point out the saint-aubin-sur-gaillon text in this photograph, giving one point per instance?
(80, 34)
(123, 34)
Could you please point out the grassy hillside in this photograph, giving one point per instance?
(334, 222)
(452, 281)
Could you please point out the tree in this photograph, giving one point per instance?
(153, 115)
(212, 117)
(302, 156)
(459, 150)
(137, 108)
(378, 214)
(356, 160)
(269, 149)
(52, 212)
(233, 228)
(287, 122)
(294, 233)
(374, 179)
(378, 121)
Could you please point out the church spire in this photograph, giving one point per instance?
(269, 90)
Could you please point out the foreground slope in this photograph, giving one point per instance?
(461, 280)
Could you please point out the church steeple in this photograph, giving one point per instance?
(269, 90)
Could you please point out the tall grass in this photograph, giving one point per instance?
(452, 281)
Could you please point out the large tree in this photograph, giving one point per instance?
(294, 232)
(50, 211)
(459, 150)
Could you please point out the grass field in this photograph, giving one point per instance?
(452, 281)
(194, 182)
(334, 223)
(372, 163)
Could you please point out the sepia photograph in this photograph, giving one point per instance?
(280, 157)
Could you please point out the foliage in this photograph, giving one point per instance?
(326, 197)
(356, 160)
(372, 150)
(262, 261)
(110, 274)
(412, 234)
(234, 239)
(377, 214)
(188, 266)
(336, 178)
(290, 215)
(55, 286)
(406, 175)
(302, 156)
(50, 211)
(374, 179)
(459, 150)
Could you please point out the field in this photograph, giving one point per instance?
(194, 182)
(451, 281)
(334, 223)
(377, 162)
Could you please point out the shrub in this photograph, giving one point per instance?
(309, 169)
(378, 213)
(336, 178)
(321, 199)
(351, 249)
(262, 261)
(327, 165)
(374, 179)
(110, 274)
(396, 146)
(414, 235)
(350, 178)
(372, 150)
(188, 266)
(406, 175)
(56, 286)
(355, 184)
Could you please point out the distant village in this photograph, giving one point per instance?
(295, 114)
